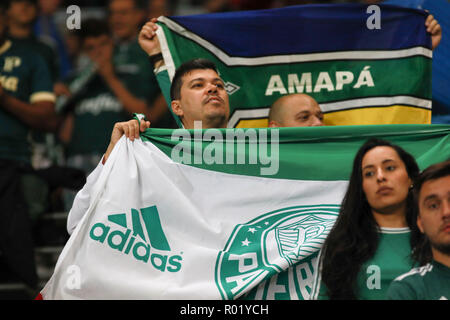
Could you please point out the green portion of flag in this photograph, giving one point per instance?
(311, 153)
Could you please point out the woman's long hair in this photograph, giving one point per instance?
(354, 237)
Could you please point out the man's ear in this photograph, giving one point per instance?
(419, 223)
(176, 107)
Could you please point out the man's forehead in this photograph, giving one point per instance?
(435, 187)
(303, 107)
(207, 74)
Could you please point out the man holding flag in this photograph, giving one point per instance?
(154, 228)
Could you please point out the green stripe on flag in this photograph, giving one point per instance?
(311, 153)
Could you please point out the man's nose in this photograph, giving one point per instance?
(446, 209)
(212, 88)
(317, 122)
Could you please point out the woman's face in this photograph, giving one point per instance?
(385, 180)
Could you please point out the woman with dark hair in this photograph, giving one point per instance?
(370, 242)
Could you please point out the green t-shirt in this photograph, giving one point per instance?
(391, 259)
(429, 282)
(25, 76)
(98, 109)
(47, 53)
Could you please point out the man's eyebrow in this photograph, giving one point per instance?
(203, 79)
(196, 79)
(434, 196)
(430, 197)
(218, 79)
(303, 112)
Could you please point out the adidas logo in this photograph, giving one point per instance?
(146, 240)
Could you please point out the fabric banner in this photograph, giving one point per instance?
(440, 9)
(221, 214)
(363, 66)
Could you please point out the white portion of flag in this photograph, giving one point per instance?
(198, 211)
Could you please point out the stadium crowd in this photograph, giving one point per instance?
(80, 83)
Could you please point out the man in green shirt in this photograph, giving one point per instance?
(26, 98)
(431, 281)
(125, 18)
(26, 102)
(121, 83)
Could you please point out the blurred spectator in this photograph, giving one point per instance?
(26, 101)
(157, 8)
(132, 63)
(117, 82)
(21, 15)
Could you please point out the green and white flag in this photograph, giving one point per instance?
(243, 217)
(362, 64)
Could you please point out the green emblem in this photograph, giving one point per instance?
(271, 244)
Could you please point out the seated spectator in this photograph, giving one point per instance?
(46, 29)
(370, 242)
(295, 110)
(21, 16)
(125, 18)
(431, 281)
(118, 82)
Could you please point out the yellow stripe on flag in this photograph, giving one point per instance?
(253, 123)
(383, 115)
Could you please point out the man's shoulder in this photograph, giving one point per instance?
(411, 283)
(415, 274)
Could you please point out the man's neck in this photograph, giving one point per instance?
(19, 31)
(217, 124)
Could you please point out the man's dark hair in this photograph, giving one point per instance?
(93, 27)
(433, 172)
(422, 250)
(7, 3)
(185, 68)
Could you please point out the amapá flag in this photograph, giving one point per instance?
(217, 214)
(362, 65)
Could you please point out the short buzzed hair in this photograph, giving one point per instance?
(275, 109)
(175, 89)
